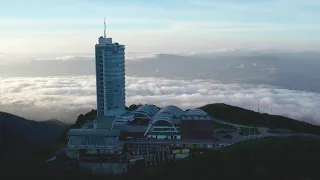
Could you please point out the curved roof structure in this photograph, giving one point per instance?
(195, 117)
(160, 117)
(174, 110)
(195, 112)
(148, 110)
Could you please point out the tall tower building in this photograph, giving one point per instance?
(110, 76)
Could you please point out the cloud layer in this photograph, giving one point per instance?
(66, 97)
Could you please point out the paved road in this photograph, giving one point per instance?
(264, 132)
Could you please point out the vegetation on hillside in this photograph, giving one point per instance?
(15, 129)
(81, 120)
(291, 158)
(133, 107)
(270, 158)
(239, 115)
(224, 112)
(222, 125)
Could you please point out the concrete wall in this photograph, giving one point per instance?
(196, 129)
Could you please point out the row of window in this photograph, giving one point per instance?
(114, 95)
(113, 68)
(110, 49)
(164, 134)
(109, 106)
(163, 129)
(111, 61)
(115, 74)
(115, 107)
(91, 140)
(110, 54)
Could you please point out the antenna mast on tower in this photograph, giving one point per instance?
(105, 28)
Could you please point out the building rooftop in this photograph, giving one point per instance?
(130, 128)
(103, 122)
(94, 132)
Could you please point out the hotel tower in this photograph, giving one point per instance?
(110, 76)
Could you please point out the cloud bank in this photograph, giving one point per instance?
(65, 98)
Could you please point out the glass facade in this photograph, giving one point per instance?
(110, 77)
(94, 141)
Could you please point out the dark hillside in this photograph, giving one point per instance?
(24, 143)
(239, 115)
(31, 132)
(82, 119)
(271, 158)
(291, 158)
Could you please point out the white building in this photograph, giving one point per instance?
(110, 77)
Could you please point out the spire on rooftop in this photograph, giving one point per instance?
(104, 28)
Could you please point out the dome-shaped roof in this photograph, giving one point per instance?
(195, 112)
(174, 110)
(159, 117)
(147, 109)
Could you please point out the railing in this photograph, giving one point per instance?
(95, 147)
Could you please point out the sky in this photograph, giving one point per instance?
(73, 26)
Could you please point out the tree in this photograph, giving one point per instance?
(260, 173)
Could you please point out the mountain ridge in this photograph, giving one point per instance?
(229, 113)
(14, 128)
(17, 159)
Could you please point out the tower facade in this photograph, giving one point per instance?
(110, 77)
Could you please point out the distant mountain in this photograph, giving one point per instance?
(20, 130)
(35, 68)
(290, 70)
(25, 143)
(296, 71)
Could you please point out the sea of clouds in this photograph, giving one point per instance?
(64, 98)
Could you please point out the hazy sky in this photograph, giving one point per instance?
(158, 25)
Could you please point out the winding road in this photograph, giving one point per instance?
(263, 132)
